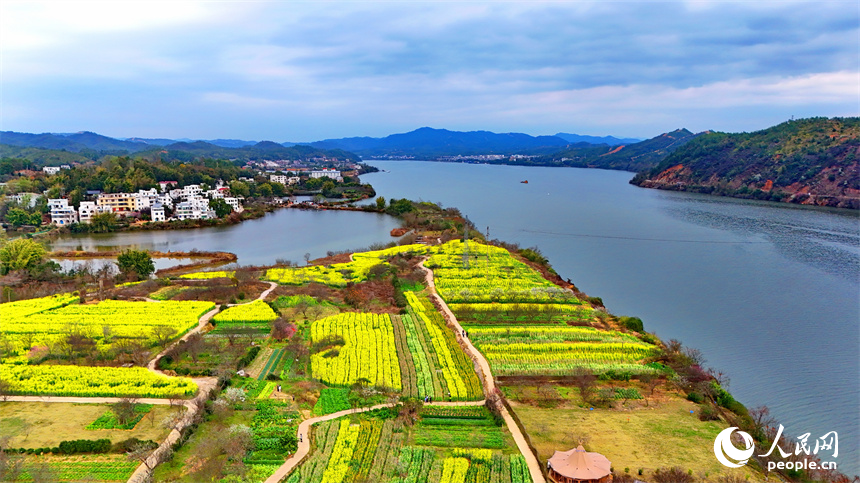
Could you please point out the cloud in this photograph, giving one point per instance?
(362, 67)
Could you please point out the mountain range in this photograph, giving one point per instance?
(423, 142)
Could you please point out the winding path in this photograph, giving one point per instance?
(305, 427)
(489, 382)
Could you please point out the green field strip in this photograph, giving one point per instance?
(272, 362)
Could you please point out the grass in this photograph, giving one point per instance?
(51, 423)
(663, 435)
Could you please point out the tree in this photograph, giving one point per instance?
(18, 217)
(239, 188)
(124, 409)
(141, 451)
(282, 329)
(265, 190)
(135, 261)
(21, 254)
(221, 207)
(103, 223)
(380, 203)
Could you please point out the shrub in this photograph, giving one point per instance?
(695, 397)
(632, 323)
(247, 358)
(85, 446)
(129, 444)
(709, 414)
(673, 475)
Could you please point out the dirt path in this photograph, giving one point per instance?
(305, 441)
(488, 381)
(200, 324)
(305, 427)
(272, 286)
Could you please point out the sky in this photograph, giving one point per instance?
(305, 71)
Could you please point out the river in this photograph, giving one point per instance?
(770, 293)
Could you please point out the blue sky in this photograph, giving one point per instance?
(304, 71)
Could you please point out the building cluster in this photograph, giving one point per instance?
(187, 203)
(312, 173)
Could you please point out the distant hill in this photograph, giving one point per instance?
(41, 156)
(610, 140)
(428, 142)
(264, 150)
(75, 143)
(809, 161)
(629, 157)
(52, 149)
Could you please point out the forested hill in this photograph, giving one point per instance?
(808, 161)
(629, 157)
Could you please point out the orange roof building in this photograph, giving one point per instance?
(579, 466)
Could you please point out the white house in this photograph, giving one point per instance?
(194, 209)
(28, 199)
(51, 169)
(235, 203)
(163, 185)
(326, 173)
(157, 211)
(86, 211)
(61, 213)
(146, 198)
(283, 179)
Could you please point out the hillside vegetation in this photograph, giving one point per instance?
(809, 161)
(628, 157)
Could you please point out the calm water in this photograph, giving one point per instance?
(285, 234)
(770, 293)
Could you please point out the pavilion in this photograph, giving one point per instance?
(579, 466)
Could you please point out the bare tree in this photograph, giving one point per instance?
(5, 393)
(162, 334)
(11, 464)
(141, 451)
(139, 354)
(761, 420)
(124, 409)
(585, 382)
(41, 473)
(150, 416)
(195, 345)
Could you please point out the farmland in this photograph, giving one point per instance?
(45, 322)
(382, 449)
(254, 314)
(84, 381)
(352, 347)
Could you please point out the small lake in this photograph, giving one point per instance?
(284, 234)
(95, 263)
